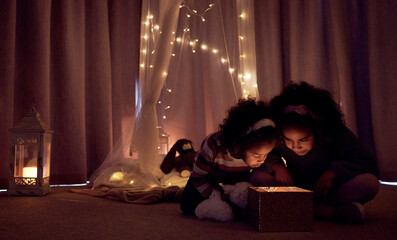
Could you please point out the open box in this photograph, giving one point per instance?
(280, 209)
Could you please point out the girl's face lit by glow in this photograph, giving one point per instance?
(255, 155)
(299, 140)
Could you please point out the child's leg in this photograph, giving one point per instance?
(344, 203)
(361, 188)
(260, 177)
(190, 198)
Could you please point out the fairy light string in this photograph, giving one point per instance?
(151, 31)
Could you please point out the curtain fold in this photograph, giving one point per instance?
(7, 75)
(68, 92)
(382, 49)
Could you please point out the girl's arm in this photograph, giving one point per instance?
(282, 175)
(276, 166)
(202, 166)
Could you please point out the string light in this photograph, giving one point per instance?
(245, 78)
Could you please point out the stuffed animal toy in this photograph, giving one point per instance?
(182, 163)
(224, 209)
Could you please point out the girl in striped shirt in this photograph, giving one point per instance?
(243, 142)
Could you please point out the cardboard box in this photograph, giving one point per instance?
(280, 209)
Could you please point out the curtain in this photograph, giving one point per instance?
(154, 62)
(346, 47)
(78, 62)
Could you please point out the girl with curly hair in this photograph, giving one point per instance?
(321, 154)
(243, 142)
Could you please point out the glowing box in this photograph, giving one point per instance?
(280, 209)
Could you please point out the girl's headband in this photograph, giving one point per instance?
(266, 122)
(300, 109)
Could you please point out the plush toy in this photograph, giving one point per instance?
(224, 209)
(182, 163)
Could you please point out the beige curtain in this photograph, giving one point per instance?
(346, 47)
(76, 61)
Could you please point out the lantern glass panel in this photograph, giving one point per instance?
(46, 155)
(26, 160)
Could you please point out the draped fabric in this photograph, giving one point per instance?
(346, 47)
(78, 63)
(154, 67)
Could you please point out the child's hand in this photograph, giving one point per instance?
(282, 176)
(323, 184)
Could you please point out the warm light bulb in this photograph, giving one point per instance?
(29, 172)
(204, 46)
(116, 176)
(231, 70)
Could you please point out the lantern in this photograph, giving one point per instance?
(30, 156)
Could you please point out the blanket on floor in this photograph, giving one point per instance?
(130, 195)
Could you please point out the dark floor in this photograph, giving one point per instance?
(66, 215)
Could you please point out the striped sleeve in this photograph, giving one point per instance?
(202, 166)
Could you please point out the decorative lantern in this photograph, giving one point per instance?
(30, 156)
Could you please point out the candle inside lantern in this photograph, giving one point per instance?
(30, 172)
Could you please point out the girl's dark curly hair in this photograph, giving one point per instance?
(245, 114)
(326, 120)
